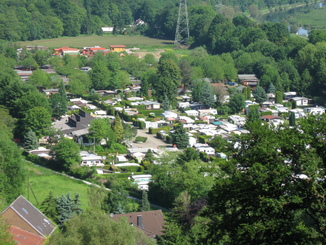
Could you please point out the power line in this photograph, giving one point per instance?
(182, 30)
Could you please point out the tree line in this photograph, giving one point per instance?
(37, 19)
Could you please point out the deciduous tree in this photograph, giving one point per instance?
(168, 80)
(237, 103)
(265, 200)
(97, 227)
(38, 120)
(67, 153)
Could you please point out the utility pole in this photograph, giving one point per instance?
(182, 30)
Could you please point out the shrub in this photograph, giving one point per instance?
(155, 130)
(203, 156)
(147, 112)
(141, 139)
(116, 147)
(168, 139)
(159, 135)
(265, 113)
(200, 122)
(204, 138)
(130, 168)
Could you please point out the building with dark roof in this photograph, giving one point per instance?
(23, 215)
(149, 222)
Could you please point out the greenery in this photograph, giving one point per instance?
(145, 205)
(67, 207)
(102, 41)
(180, 137)
(97, 227)
(30, 140)
(140, 139)
(314, 18)
(259, 94)
(67, 154)
(268, 207)
(43, 180)
(5, 236)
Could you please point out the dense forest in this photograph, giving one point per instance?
(36, 19)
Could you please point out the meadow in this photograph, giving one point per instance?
(43, 180)
(103, 41)
(313, 18)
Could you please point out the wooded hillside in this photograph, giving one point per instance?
(36, 19)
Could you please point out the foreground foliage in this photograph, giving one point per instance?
(97, 227)
(276, 193)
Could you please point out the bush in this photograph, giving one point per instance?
(147, 112)
(203, 156)
(116, 147)
(168, 139)
(146, 164)
(266, 113)
(155, 130)
(140, 139)
(141, 124)
(204, 138)
(131, 169)
(200, 122)
(159, 135)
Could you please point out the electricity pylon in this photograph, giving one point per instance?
(182, 30)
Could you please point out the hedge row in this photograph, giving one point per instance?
(155, 130)
(200, 122)
(147, 112)
(141, 139)
(204, 138)
(140, 124)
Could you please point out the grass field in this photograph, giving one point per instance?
(314, 18)
(45, 180)
(103, 41)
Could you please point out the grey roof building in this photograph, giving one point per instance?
(21, 213)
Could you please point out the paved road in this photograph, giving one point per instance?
(152, 141)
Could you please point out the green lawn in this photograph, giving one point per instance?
(103, 41)
(44, 180)
(314, 18)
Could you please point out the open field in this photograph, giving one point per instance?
(45, 180)
(314, 18)
(103, 41)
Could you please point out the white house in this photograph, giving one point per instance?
(135, 99)
(186, 119)
(221, 155)
(121, 159)
(169, 114)
(238, 120)
(192, 141)
(206, 112)
(192, 113)
(289, 95)
(314, 110)
(301, 101)
(107, 29)
(183, 105)
(91, 160)
(100, 113)
(207, 149)
(298, 113)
